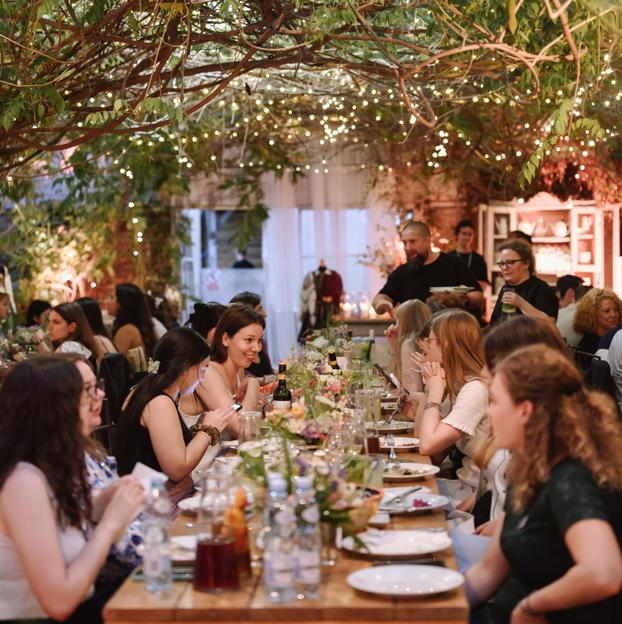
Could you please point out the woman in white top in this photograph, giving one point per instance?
(237, 342)
(47, 566)
(70, 332)
(454, 409)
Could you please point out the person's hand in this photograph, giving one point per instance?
(511, 298)
(487, 529)
(269, 388)
(521, 615)
(391, 334)
(38, 336)
(433, 376)
(417, 360)
(384, 306)
(218, 418)
(126, 502)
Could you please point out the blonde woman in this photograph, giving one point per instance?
(410, 318)
(555, 556)
(598, 311)
(454, 409)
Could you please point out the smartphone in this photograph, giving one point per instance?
(236, 406)
(391, 379)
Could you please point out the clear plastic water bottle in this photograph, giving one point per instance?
(308, 540)
(157, 566)
(278, 543)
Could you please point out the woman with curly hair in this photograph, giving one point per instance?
(598, 311)
(555, 556)
(47, 562)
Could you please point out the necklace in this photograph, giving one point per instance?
(232, 386)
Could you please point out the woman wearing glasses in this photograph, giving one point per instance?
(523, 292)
(48, 558)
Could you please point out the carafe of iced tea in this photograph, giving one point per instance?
(215, 567)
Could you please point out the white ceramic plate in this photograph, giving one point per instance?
(394, 426)
(405, 580)
(183, 548)
(398, 543)
(409, 471)
(190, 504)
(459, 290)
(401, 444)
(415, 502)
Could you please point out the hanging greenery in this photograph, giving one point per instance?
(126, 100)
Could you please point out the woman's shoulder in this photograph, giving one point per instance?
(73, 346)
(129, 329)
(24, 477)
(475, 387)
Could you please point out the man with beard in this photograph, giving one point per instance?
(425, 269)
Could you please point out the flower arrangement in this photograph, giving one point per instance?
(342, 500)
(18, 345)
(302, 423)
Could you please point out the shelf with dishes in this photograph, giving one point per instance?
(569, 237)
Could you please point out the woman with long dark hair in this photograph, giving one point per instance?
(555, 556)
(70, 332)
(47, 566)
(93, 314)
(236, 344)
(37, 312)
(133, 326)
(150, 428)
(205, 318)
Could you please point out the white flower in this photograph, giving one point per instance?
(313, 356)
(153, 366)
(296, 425)
(320, 342)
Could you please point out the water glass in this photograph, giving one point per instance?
(250, 426)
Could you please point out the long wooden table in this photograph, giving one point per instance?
(338, 602)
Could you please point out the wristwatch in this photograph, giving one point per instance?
(212, 432)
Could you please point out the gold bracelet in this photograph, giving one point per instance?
(432, 404)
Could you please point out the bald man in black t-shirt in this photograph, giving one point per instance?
(424, 269)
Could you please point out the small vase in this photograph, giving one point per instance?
(329, 549)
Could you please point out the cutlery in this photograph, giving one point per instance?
(400, 497)
(395, 464)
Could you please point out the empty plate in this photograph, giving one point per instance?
(183, 548)
(408, 471)
(405, 580)
(409, 543)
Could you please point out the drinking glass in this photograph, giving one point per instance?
(250, 426)
(508, 308)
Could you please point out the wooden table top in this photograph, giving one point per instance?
(337, 602)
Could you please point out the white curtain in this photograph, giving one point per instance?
(282, 266)
(335, 216)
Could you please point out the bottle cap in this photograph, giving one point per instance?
(304, 483)
(276, 481)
